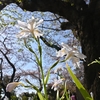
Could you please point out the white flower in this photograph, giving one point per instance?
(57, 84)
(71, 54)
(30, 28)
(12, 85)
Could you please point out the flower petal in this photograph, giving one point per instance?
(79, 55)
(12, 85)
(39, 22)
(66, 46)
(22, 24)
(37, 33)
(23, 33)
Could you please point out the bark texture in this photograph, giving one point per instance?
(90, 40)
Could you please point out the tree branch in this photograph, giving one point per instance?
(11, 64)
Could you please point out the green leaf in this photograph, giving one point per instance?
(54, 65)
(65, 93)
(47, 77)
(28, 82)
(37, 59)
(96, 61)
(30, 49)
(83, 91)
(40, 51)
(41, 96)
(33, 86)
(38, 91)
(48, 74)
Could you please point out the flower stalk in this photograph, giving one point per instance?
(41, 68)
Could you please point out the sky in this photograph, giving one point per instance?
(9, 16)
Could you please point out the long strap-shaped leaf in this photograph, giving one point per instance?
(38, 91)
(83, 91)
(48, 73)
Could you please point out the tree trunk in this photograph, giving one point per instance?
(90, 41)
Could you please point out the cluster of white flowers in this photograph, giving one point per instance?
(70, 54)
(57, 84)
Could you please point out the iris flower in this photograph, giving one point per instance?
(29, 28)
(70, 54)
(12, 85)
(57, 84)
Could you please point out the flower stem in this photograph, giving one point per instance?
(41, 69)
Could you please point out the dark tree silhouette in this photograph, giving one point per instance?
(84, 20)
